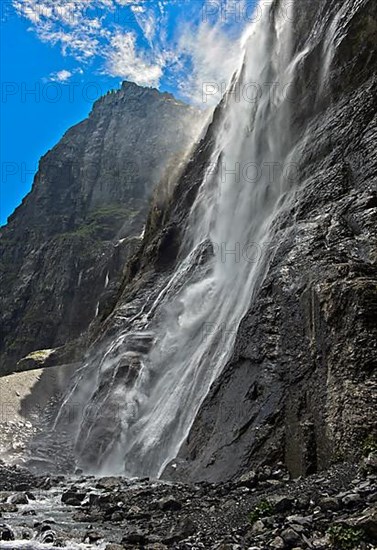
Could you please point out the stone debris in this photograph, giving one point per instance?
(333, 510)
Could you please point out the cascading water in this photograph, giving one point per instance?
(136, 423)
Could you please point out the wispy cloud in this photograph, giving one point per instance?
(65, 23)
(137, 47)
(212, 57)
(61, 76)
(124, 61)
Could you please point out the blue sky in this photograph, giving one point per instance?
(58, 56)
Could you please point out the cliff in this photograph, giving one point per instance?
(64, 249)
(299, 385)
(295, 381)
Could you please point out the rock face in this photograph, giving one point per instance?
(300, 383)
(63, 250)
(298, 386)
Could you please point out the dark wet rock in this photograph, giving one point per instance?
(30, 512)
(278, 543)
(73, 498)
(169, 503)
(27, 534)
(48, 521)
(137, 537)
(291, 537)
(117, 516)
(24, 487)
(283, 504)
(12, 476)
(352, 500)
(45, 527)
(48, 537)
(329, 503)
(89, 516)
(213, 515)
(19, 498)
(6, 533)
(99, 499)
(248, 480)
(8, 507)
(110, 483)
(185, 528)
(92, 536)
(46, 483)
(300, 520)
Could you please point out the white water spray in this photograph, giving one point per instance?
(140, 400)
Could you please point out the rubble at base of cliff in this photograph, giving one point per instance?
(263, 509)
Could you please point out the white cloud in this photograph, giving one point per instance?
(83, 29)
(146, 21)
(61, 76)
(213, 58)
(64, 23)
(124, 61)
(138, 9)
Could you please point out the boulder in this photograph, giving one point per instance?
(169, 504)
(6, 533)
(72, 498)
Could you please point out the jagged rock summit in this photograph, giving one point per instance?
(64, 247)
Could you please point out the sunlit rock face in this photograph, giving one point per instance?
(63, 249)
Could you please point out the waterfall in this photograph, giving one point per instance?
(234, 211)
(139, 396)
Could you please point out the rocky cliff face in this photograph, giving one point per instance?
(64, 249)
(300, 381)
(300, 385)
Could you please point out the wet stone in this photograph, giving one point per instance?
(290, 536)
(183, 530)
(278, 543)
(283, 503)
(329, 503)
(92, 536)
(29, 513)
(6, 533)
(352, 500)
(247, 480)
(135, 537)
(72, 498)
(7, 507)
(169, 504)
(19, 498)
(49, 537)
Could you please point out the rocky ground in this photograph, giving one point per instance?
(264, 509)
